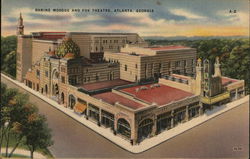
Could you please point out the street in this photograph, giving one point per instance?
(223, 136)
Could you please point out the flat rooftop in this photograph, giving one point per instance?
(226, 80)
(159, 93)
(112, 98)
(104, 84)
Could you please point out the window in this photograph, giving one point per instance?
(185, 63)
(177, 63)
(37, 73)
(96, 48)
(46, 73)
(135, 65)
(63, 79)
(96, 77)
(126, 68)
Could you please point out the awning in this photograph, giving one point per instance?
(80, 107)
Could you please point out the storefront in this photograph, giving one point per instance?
(145, 129)
(107, 119)
(93, 113)
(179, 116)
(163, 122)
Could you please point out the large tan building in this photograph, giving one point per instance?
(118, 82)
(141, 63)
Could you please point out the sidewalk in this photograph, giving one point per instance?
(24, 152)
(147, 143)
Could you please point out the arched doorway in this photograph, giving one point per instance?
(123, 128)
(72, 101)
(62, 97)
(145, 129)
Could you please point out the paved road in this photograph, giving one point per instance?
(219, 137)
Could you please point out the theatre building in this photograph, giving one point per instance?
(119, 82)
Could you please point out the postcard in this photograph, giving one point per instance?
(125, 79)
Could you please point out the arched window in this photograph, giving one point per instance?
(123, 128)
(72, 101)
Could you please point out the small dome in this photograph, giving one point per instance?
(68, 46)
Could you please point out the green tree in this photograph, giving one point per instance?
(8, 45)
(9, 63)
(37, 134)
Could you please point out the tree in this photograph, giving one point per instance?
(37, 134)
(22, 115)
(8, 54)
(7, 103)
(21, 120)
(9, 63)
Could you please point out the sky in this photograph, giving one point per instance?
(168, 17)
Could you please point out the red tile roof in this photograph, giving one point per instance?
(112, 98)
(161, 95)
(104, 84)
(168, 48)
(51, 35)
(226, 80)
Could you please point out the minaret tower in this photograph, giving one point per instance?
(20, 26)
(199, 77)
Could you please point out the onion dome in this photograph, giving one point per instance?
(68, 46)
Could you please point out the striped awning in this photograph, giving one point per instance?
(80, 107)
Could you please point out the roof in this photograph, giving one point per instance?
(112, 98)
(104, 84)
(160, 95)
(226, 80)
(49, 35)
(161, 48)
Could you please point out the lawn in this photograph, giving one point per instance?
(12, 142)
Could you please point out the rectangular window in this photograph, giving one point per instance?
(126, 68)
(38, 73)
(46, 73)
(185, 63)
(177, 63)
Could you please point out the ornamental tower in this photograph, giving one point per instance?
(217, 71)
(199, 77)
(20, 26)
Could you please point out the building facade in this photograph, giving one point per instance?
(121, 83)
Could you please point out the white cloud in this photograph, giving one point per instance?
(185, 13)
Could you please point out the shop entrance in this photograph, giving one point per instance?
(145, 129)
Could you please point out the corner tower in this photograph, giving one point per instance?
(23, 52)
(20, 26)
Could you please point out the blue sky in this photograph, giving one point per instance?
(169, 18)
